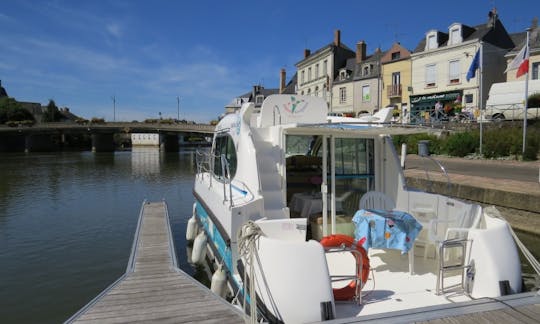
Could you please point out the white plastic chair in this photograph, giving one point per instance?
(376, 200)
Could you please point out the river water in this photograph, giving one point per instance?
(67, 222)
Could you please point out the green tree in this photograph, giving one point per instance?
(52, 113)
(11, 110)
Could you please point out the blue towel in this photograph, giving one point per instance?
(385, 229)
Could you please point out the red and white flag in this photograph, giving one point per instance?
(520, 62)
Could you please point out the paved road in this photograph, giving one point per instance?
(496, 169)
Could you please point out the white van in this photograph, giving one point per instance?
(505, 100)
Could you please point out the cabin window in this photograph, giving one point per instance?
(224, 145)
(354, 169)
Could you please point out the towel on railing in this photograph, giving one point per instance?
(385, 229)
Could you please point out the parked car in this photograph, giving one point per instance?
(506, 99)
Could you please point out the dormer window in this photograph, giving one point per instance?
(342, 75)
(431, 40)
(396, 56)
(455, 34)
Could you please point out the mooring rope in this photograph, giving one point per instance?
(248, 237)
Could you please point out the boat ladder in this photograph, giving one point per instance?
(452, 245)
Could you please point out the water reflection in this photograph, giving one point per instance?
(145, 160)
(67, 222)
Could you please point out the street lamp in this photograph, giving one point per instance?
(178, 107)
(114, 107)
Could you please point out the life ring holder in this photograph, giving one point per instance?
(340, 243)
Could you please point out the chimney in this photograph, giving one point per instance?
(307, 53)
(337, 37)
(360, 51)
(492, 18)
(282, 76)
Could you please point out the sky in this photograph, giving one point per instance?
(130, 60)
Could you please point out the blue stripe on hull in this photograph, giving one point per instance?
(214, 236)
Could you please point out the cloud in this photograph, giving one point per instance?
(114, 30)
(6, 18)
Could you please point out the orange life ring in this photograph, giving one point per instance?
(336, 240)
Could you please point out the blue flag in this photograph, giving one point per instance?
(474, 66)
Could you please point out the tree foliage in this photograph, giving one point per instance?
(52, 114)
(534, 100)
(11, 110)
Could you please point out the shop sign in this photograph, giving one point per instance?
(435, 97)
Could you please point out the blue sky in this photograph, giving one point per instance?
(146, 53)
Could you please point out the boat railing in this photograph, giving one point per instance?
(204, 165)
(226, 179)
(203, 162)
(423, 152)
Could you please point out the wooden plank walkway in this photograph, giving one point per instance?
(154, 289)
(519, 308)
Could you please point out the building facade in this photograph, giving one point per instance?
(440, 64)
(317, 71)
(534, 53)
(367, 80)
(396, 80)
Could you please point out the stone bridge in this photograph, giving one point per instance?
(101, 137)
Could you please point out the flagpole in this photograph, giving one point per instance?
(480, 95)
(526, 97)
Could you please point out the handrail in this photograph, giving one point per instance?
(204, 162)
(443, 169)
(226, 178)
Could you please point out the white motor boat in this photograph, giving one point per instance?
(311, 220)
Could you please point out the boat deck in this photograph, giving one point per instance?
(519, 308)
(154, 289)
(391, 287)
(393, 295)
